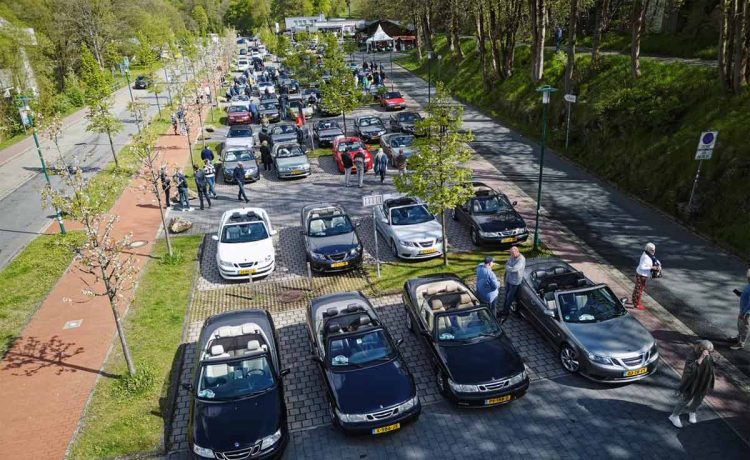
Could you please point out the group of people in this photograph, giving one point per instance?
(488, 287)
(370, 76)
(205, 181)
(358, 162)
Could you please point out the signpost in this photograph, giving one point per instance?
(705, 151)
(371, 201)
(570, 99)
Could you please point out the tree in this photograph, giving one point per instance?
(638, 24)
(479, 8)
(139, 110)
(102, 121)
(601, 21)
(438, 172)
(572, 29)
(510, 15)
(200, 17)
(734, 49)
(341, 94)
(97, 83)
(538, 13)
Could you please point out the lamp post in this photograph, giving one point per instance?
(429, 76)
(545, 90)
(391, 55)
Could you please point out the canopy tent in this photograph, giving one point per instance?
(379, 36)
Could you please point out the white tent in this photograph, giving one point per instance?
(379, 36)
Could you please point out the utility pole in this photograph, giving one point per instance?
(545, 90)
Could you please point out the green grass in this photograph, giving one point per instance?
(666, 45)
(319, 152)
(27, 280)
(118, 422)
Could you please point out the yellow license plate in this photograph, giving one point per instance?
(428, 251)
(511, 239)
(247, 271)
(641, 371)
(298, 171)
(339, 264)
(500, 400)
(386, 429)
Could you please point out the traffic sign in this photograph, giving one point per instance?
(569, 97)
(375, 200)
(706, 145)
(703, 154)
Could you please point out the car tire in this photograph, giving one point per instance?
(409, 323)
(569, 359)
(441, 382)
(474, 237)
(332, 414)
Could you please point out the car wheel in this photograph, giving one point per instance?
(394, 248)
(409, 324)
(569, 359)
(474, 237)
(440, 381)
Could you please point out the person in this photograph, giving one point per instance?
(648, 266)
(264, 137)
(487, 285)
(207, 90)
(743, 320)
(201, 184)
(253, 108)
(174, 123)
(346, 160)
(265, 156)
(210, 172)
(514, 270)
(207, 154)
(401, 162)
(300, 135)
(300, 119)
(558, 37)
(166, 185)
(381, 164)
(182, 189)
(359, 163)
(696, 383)
(282, 106)
(239, 175)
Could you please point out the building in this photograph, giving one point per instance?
(303, 23)
(321, 24)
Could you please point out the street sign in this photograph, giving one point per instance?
(703, 154)
(706, 145)
(570, 98)
(376, 200)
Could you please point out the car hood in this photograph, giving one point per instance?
(408, 151)
(254, 251)
(332, 244)
(222, 425)
(425, 230)
(482, 361)
(249, 165)
(292, 161)
(616, 337)
(361, 391)
(273, 111)
(238, 141)
(499, 222)
(395, 100)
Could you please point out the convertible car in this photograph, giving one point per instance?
(491, 218)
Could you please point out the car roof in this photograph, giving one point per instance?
(342, 308)
(402, 201)
(242, 215)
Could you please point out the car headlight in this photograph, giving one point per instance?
(318, 256)
(354, 251)
(203, 452)
(518, 378)
(351, 418)
(226, 264)
(487, 234)
(598, 359)
(380, 133)
(461, 388)
(439, 240)
(653, 351)
(407, 244)
(285, 169)
(270, 440)
(409, 404)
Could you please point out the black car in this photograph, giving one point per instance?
(270, 110)
(474, 362)
(370, 389)
(331, 241)
(491, 217)
(283, 133)
(369, 129)
(142, 82)
(404, 122)
(325, 131)
(238, 408)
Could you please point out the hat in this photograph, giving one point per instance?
(489, 259)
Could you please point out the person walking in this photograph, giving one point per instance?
(210, 171)
(182, 189)
(346, 160)
(514, 270)
(361, 165)
(696, 383)
(253, 108)
(166, 185)
(202, 185)
(648, 267)
(743, 320)
(207, 154)
(401, 162)
(174, 124)
(381, 164)
(238, 173)
(487, 285)
(265, 156)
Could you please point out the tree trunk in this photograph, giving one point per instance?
(427, 29)
(508, 37)
(638, 24)
(572, 27)
(418, 35)
(496, 66)
(157, 191)
(343, 116)
(538, 29)
(112, 146)
(482, 49)
(118, 323)
(456, 38)
(724, 44)
(445, 239)
(602, 6)
(158, 107)
(739, 58)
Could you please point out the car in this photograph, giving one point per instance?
(325, 131)
(238, 408)
(331, 240)
(392, 100)
(244, 246)
(243, 64)
(243, 52)
(410, 229)
(350, 146)
(270, 110)
(473, 360)
(238, 115)
(266, 87)
(283, 133)
(393, 143)
(231, 156)
(296, 104)
(369, 386)
(142, 82)
(239, 136)
(491, 217)
(404, 122)
(290, 160)
(590, 328)
(369, 129)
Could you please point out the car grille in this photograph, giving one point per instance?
(635, 361)
(247, 264)
(515, 231)
(494, 385)
(425, 244)
(382, 415)
(339, 256)
(238, 454)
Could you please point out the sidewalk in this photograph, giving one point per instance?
(47, 377)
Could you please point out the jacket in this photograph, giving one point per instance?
(514, 269)
(209, 170)
(200, 179)
(265, 154)
(487, 285)
(239, 174)
(207, 154)
(381, 162)
(346, 159)
(697, 379)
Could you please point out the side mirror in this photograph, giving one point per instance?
(384, 220)
(215, 237)
(624, 300)
(285, 372)
(187, 386)
(358, 224)
(399, 342)
(317, 359)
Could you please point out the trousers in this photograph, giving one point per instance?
(640, 285)
(691, 404)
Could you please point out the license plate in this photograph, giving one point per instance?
(339, 264)
(511, 239)
(386, 429)
(298, 171)
(428, 251)
(247, 271)
(500, 400)
(641, 371)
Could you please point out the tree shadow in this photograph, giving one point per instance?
(30, 356)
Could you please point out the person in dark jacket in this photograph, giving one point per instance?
(265, 156)
(207, 154)
(182, 190)
(697, 382)
(239, 175)
(201, 184)
(743, 319)
(166, 185)
(346, 159)
(264, 137)
(254, 112)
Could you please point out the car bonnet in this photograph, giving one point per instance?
(332, 244)
(619, 336)
(253, 251)
(370, 389)
(425, 230)
(481, 361)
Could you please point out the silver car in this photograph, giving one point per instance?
(290, 161)
(394, 142)
(410, 229)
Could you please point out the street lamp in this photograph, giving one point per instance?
(391, 55)
(429, 76)
(545, 90)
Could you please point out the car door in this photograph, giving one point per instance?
(381, 222)
(462, 212)
(533, 304)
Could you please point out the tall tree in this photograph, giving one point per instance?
(479, 10)
(638, 25)
(601, 22)
(572, 30)
(455, 29)
(538, 14)
(510, 15)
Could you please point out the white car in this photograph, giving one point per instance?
(410, 229)
(244, 245)
(266, 85)
(243, 65)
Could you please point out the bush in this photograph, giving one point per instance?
(136, 384)
(73, 91)
(61, 104)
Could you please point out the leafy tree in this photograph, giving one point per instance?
(438, 174)
(341, 94)
(97, 83)
(102, 121)
(200, 17)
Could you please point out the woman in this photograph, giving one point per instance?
(648, 266)
(265, 156)
(697, 381)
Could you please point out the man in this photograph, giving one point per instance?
(254, 112)
(282, 106)
(346, 159)
(239, 175)
(166, 185)
(207, 155)
(647, 264)
(182, 189)
(743, 320)
(359, 163)
(401, 162)
(300, 135)
(207, 90)
(210, 172)
(264, 137)
(381, 164)
(558, 37)
(201, 185)
(514, 269)
(487, 285)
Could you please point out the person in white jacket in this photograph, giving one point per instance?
(643, 272)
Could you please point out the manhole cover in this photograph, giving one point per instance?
(291, 295)
(137, 244)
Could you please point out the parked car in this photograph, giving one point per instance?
(393, 143)
(244, 246)
(283, 133)
(270, 110)
(266, 86)
(238, 408)
(369, 129)
(230, 156)
(404, 122)
(296, 104)
(331, 241)
(243, 64)
(350, 146)
(369, 386)
(325, 131)
(473, 361)
(238, 115)
(142, 82)
(409, 228)
(290, 161)
(590, 327)
(491, 217)
(392, 100)
(239, 136)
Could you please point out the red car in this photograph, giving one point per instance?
(238, 115)
(393, 100)
(350, 146)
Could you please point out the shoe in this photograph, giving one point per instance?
(737, 346)
(640, 307)
(675, 421)
(247, 201)
(202, 208)
(692, 418)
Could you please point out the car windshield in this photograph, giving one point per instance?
(409, 117)
(402, 141)
(235, 379)
(393, 95)
(244, 233)
(238, 155)
(237, 109)
(269, 106)
(410, 215)
(330, 226)
(465, 326)
(365, 122)
(327, 125)
(491, 205)
(243, 62)
(359, 349)
(350, 146)
(241, 132)
(590, 306)
(295, 105)
(289, 151)
(140, 77)
(283, 129)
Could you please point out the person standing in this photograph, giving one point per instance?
(174, 124)
(166, 185)
(182, 189)
(514, 270)
(207, 90)
(239, 175)
(401, 162)
(264, 137)
(253, 108)
(346, 160)
(210, 172)
(361, 165)
(648, 266)
(207, 154)
(265, 156)
(201, 184)
(743, 320)
(381, 164)
(697, 382)
(487, 285)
